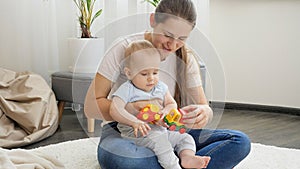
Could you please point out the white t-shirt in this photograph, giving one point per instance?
(112, 66)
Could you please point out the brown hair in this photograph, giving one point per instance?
(138, 45)
(184, 9)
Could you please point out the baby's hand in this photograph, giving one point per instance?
(141, 127)
(161, 121)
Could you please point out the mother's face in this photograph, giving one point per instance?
(170, 35)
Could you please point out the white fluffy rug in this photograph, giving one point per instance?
(82, 153)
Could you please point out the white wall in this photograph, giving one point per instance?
(113, 11)
(258, 42)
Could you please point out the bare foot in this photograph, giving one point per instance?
(198, 162)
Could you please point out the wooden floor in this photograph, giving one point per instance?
(262, 127)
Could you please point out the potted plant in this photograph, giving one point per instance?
(153, 2)
(86, 17)
(85, 52)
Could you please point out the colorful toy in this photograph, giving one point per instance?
(173, 119)
(149, 113)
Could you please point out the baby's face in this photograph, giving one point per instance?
(146, 79)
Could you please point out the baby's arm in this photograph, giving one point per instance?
(169, 104)
(118, 113)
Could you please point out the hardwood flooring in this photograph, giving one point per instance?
(265, 127)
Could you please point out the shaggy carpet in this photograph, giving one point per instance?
(79, 154)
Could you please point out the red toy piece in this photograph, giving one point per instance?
(149, 113)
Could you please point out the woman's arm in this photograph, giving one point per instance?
(198, 114)
(96, 103)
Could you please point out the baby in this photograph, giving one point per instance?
(142, 70)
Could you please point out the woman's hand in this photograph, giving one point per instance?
(197, 116)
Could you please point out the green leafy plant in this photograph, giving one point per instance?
(153, 2)
(86, 17)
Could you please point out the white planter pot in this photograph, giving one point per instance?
(86, 54)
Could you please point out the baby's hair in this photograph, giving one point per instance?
(138, 45)
(135, 48)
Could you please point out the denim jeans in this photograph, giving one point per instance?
(225, 147)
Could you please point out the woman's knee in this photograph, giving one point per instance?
(123, 153)
(243, 143)
(107, 160)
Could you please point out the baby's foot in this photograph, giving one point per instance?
(195, 161)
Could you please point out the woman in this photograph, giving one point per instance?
(225, 147)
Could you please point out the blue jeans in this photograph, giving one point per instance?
(225, 147)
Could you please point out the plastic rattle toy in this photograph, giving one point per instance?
(173, 119)
(149, 113)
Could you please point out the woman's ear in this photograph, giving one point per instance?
(152, 20)
(127, 72)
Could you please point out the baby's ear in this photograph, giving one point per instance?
(127, 72)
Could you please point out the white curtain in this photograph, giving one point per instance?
(34, 33)
(29, 36)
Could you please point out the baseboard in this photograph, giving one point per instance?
(255, 107)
